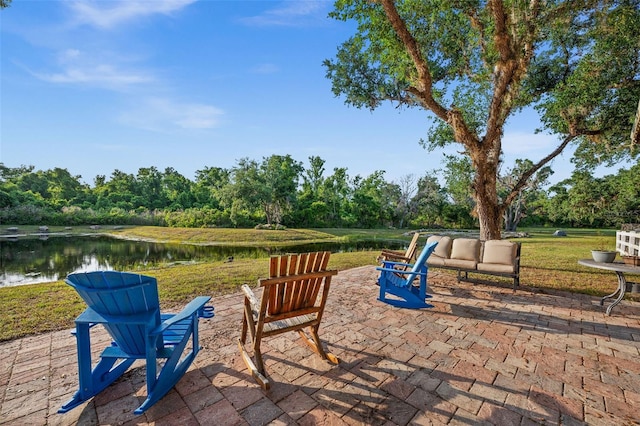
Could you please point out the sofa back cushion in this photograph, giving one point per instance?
(502, 252)
(466, 249)
(443, 249)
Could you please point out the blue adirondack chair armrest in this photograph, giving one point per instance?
(401, 272)
(92, 317)
(91, 325)
(196, 306)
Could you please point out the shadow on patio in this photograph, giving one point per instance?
(484, 354)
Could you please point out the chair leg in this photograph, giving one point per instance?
(382, 291)
(243, 335)
(257, 355)
(316, 345)
(256, 367)
(101, 377)
(174, 368)
(255, 372)
(94, 380)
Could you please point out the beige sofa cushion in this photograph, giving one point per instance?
(443, 249)
(496, 268)
(460, 263)
(501, 252)
(434, 260)
(466, 249)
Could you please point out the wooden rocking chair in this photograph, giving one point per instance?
(293, 299)
(396, 256)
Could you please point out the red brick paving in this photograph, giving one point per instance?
(483, 355)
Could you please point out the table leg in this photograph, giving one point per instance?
(622, 287)
(609, 296)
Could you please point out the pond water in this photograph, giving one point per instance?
(30, 260)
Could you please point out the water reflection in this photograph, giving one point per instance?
(29, 261)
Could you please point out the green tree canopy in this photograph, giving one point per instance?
(473, 64)
(270, 185)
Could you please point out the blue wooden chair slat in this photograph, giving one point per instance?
(128, 306)
(398, 279)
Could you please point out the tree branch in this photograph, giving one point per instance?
(510, 67)
(425, 89)
(528, 173)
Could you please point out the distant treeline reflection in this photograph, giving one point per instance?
(28, 261)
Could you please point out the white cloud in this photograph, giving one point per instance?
(160, 115)
(101, 75)
(291, 13)
(80, 68)
(69, 54)
(265, 69)
(108, 14)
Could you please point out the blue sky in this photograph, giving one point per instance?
(95, 86)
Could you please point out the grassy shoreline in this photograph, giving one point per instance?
(548, 264)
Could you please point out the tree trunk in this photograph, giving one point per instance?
(514, 213)
(489, 218)
(487, 208)
(509, 222)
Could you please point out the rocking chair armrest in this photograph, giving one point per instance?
(92, 317)
(297, 277)
(388, 263)
(387, 251)
(394, 255)
(396, 271)
(391, 253)
(189, 310)
(74, 332)
(251, 297)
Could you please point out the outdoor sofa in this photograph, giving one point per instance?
(471, 255)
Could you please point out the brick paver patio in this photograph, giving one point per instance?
(483, 355)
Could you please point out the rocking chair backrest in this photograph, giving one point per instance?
(112, 293)
(413, 246)
(295, 295)
(421, 261)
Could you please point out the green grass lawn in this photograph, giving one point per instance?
(548, 263)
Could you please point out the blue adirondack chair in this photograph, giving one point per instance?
(397, 279)
(127, 305)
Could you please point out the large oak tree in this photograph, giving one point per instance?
(474, 64)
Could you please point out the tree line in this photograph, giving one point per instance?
(279, 191)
